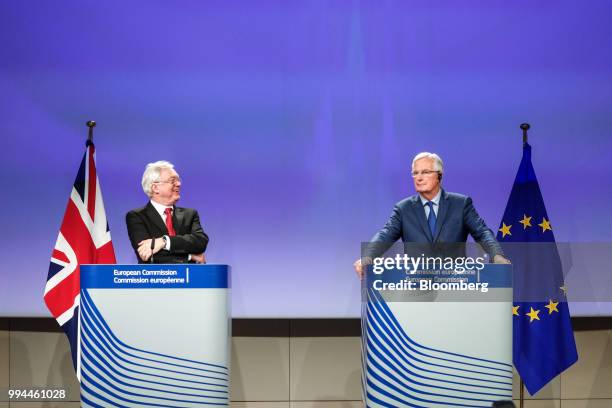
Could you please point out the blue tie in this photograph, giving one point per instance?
(431, 218)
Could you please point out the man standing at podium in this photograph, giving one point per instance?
(161, 232)
(434, 215)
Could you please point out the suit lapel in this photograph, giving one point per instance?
(177, 220)
(422, 219)
(442, 213)
(154, 217)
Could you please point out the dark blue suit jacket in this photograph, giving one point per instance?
(456, 218)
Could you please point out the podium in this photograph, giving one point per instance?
(155, 335)
(437, 345)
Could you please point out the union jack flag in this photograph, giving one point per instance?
(84, 238)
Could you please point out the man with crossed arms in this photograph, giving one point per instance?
(161, 232)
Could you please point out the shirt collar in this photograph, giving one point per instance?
(435, 200)
(160, 208)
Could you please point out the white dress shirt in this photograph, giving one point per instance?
(161, 210)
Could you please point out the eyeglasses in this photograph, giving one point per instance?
(424, 173)
(171, 180)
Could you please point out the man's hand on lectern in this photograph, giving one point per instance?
(144, 248)
(500, 259)
(360, 266)
(199, 258)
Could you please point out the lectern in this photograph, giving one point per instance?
(155, 335)
(444, 340)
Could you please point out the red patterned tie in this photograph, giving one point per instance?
(169, 225)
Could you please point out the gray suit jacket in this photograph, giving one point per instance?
(456, 218)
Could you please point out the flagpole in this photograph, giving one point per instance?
(524, 127)
(91, 124)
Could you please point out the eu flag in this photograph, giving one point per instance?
(543, 339)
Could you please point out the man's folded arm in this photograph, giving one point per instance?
(194, 242)
(137, 230)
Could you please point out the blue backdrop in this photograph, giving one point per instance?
(293, 124)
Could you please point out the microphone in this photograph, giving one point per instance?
(152, 247)
(503, 404)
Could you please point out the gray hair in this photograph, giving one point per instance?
(438, 165)
(152, 174)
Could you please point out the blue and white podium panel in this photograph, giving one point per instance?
(155, 335)
(437, 338)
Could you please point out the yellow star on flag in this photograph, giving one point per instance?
(545, 225)
(526, 221)
(563, 289)
(533, 315)
(552, 306)
(505, 229)
(515, 310)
